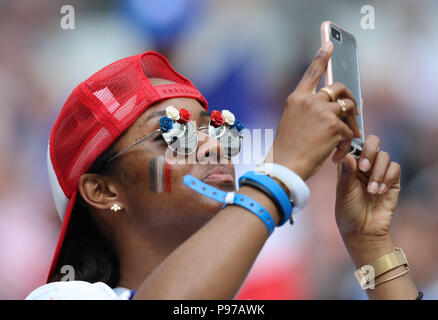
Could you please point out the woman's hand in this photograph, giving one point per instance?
(367, 192)
(311, 126)
(366, 197)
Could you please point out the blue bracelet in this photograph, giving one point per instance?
(231, 198)
(272, 190)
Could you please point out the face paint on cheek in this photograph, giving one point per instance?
(152, 174)
(164, 175)
(160, 165)
(168, 176)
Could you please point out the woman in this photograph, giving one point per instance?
(134, 229)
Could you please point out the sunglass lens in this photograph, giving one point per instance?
(182, 138)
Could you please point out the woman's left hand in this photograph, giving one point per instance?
(367, 192)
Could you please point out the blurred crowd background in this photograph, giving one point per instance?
(245, 55)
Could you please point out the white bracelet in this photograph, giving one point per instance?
(298, 189)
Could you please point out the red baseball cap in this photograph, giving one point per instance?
(96, 113)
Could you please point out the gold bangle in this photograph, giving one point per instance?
(394, 277)
(367, 273)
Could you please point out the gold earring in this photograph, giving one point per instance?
(115, 207)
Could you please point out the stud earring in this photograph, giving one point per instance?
(115, 207)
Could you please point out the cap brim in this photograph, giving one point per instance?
(61, 238)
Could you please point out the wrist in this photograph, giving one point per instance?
(281, 184)
(363, 249)
(297, 190)
(266, 184)
(264, 200)
(299, 167)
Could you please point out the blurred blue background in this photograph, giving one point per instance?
(247, 56)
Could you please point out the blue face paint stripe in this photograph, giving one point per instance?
(152, 174)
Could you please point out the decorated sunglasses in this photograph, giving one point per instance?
(181, 135)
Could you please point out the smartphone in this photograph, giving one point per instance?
(343, 67)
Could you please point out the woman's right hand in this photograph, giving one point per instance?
(312, 126)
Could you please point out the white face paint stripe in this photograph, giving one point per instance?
(160, 167)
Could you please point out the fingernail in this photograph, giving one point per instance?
(373, 187)
(382, 188)
(364, 165)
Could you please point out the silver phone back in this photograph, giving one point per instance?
(345, 69)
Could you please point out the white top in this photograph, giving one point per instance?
(78, 290)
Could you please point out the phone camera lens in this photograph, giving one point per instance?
(336, 34)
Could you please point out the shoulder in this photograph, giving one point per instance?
(73, 290)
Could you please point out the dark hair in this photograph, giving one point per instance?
(85, 247)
